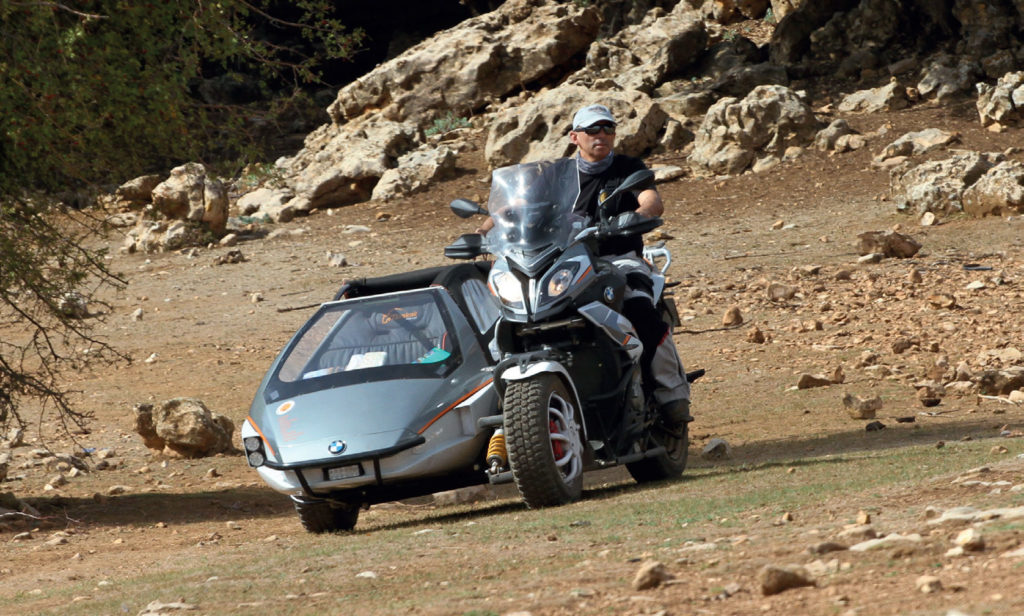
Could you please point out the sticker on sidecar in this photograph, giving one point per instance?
(285, 407)
(398, 313)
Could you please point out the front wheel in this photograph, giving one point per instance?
(542, 437)
(668, 465)
(320, 516)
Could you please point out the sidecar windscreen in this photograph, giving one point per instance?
(404, 335)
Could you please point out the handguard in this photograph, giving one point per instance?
(631, 223)
(467, 246)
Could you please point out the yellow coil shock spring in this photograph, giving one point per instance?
(497, 456)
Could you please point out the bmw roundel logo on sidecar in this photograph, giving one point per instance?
(336, 447)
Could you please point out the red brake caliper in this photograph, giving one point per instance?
(556, 446)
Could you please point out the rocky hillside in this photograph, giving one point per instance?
(723, 85)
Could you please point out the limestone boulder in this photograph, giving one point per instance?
(272, 203)
(741, 80)
(1000, 191)
(1002, 103)
(887, 243)
(415, 172)
(180, 234)
(341, 164)
(889, 97)
(947, 77)
(379, 118)
(918, 143)
(139, 189)
(538, 128)
(643, 56)
(191, 194)
(152, 236)
(827, 138)
(938, 186)
(467, 66)
(721, 57)
(735, 132)
(1000, 382)
(687, 106)
(184, 427)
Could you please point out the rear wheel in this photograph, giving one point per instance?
(542, 437)
(668, 465)
(320, 516)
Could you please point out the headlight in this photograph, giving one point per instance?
(254, 451)
(508, 289)
(558, 283)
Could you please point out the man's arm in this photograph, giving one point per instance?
(485, 226)
(650, 203)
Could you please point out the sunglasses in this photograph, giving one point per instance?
(593, 130)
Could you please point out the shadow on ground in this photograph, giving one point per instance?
(169, 507)
(258, 502)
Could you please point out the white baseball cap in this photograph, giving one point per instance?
(591, 115)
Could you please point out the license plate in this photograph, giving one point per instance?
(343, 472)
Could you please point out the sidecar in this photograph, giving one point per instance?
(378, 396)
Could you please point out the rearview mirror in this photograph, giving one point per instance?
(464, 208)
(638, 180)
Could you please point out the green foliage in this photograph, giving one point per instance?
(446, 123)
(260, 174)
(99, 91)
(110, 89)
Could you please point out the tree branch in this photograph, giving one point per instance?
(59, 6)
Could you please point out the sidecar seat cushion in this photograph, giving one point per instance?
(403, 335)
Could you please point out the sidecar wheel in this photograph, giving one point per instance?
(320, 516)
(668, 465)
(542, 436)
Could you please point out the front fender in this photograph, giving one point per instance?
(521, 372)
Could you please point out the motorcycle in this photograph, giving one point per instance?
(568, 376)
(425, 381)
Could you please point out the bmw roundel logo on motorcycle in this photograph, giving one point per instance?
(336, 447)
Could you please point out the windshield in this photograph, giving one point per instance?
(532, 209)
(401, 335)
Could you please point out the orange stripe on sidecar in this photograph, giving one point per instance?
(454, 404)
(260, 432)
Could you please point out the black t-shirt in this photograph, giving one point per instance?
(594, 186)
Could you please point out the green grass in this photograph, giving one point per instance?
(446, 124)
(487, 558)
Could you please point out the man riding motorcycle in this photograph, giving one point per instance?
(600, 172)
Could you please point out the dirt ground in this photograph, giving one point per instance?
(211, 330)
